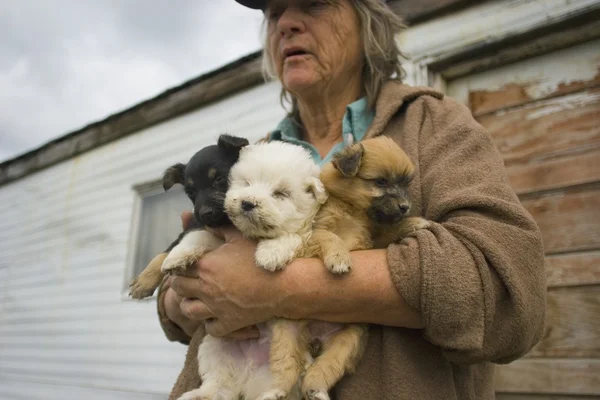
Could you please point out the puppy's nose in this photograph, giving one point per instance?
(247, 206)
(404, 208)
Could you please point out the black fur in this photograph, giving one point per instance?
(395, 203)
(205, 181)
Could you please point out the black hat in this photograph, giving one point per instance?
(255, 4)
(259, 4)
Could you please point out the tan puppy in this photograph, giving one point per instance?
(367, 207)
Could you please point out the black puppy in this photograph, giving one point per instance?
(205, 180)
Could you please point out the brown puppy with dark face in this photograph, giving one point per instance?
(368, 207)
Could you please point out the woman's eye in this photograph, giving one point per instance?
(273, 13)
(315, 5)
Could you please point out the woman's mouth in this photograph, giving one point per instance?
(294, 53)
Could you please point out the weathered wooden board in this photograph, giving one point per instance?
(511, 95)
(569, 220)
(547, 129)
(518, 396)
(550, 75)
(564, 35)
(573, 269)
(413, 11)
(555, 173)
(550, 376)
(572, 324)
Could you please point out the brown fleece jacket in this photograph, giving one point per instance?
(476, 275)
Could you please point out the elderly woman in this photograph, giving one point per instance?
(444, 305)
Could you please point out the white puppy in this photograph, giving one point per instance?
(273, 197)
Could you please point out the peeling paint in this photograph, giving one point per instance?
(540, 77)
(563, 103)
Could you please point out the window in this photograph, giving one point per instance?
(156, 224)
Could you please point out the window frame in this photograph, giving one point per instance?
(139, 192)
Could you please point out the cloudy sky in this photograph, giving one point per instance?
(66, 63)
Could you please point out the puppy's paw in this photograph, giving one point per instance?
(417, 223)
(139, 288)
(274, 394)
(180, 258)
(338, 262)
(195, 395)
(270, 255)
(316, 394)
(207, 394)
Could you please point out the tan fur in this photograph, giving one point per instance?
(173, 262)
(148, 280)
(341, 225)
(340, 355)
(289, 347)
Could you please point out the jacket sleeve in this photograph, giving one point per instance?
(477, 274)
(172, 331)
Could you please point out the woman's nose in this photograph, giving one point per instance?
(290, 22)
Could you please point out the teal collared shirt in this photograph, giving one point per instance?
(357, 120)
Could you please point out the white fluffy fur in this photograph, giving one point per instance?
(282, 181)
(260, 172)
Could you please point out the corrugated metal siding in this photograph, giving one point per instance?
(65, 329)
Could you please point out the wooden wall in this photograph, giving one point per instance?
(544, 115)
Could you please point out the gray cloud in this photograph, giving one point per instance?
(66, 63)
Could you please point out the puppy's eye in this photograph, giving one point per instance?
(190, 192)
(405, 179)
(381, 182)
(281, 194)
(219, 180)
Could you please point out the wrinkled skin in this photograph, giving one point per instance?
(330, 36)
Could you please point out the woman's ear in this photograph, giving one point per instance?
(348, 160)
(315, 186)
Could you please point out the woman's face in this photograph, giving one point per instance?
(314, 44)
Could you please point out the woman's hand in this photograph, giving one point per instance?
(226, 290)
(172, 303)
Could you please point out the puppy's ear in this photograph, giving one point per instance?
(174, 174)
(232, 143)
(315, 186)
(348, 160)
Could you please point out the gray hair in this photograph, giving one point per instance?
(379, 26)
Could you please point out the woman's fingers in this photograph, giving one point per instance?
(175, 314)
(186, 219)
(195, 309)
(186, 287)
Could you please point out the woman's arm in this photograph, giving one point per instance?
(366, 294)
(232, 292)
(476, 275)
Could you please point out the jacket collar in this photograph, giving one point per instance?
(392, 97)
